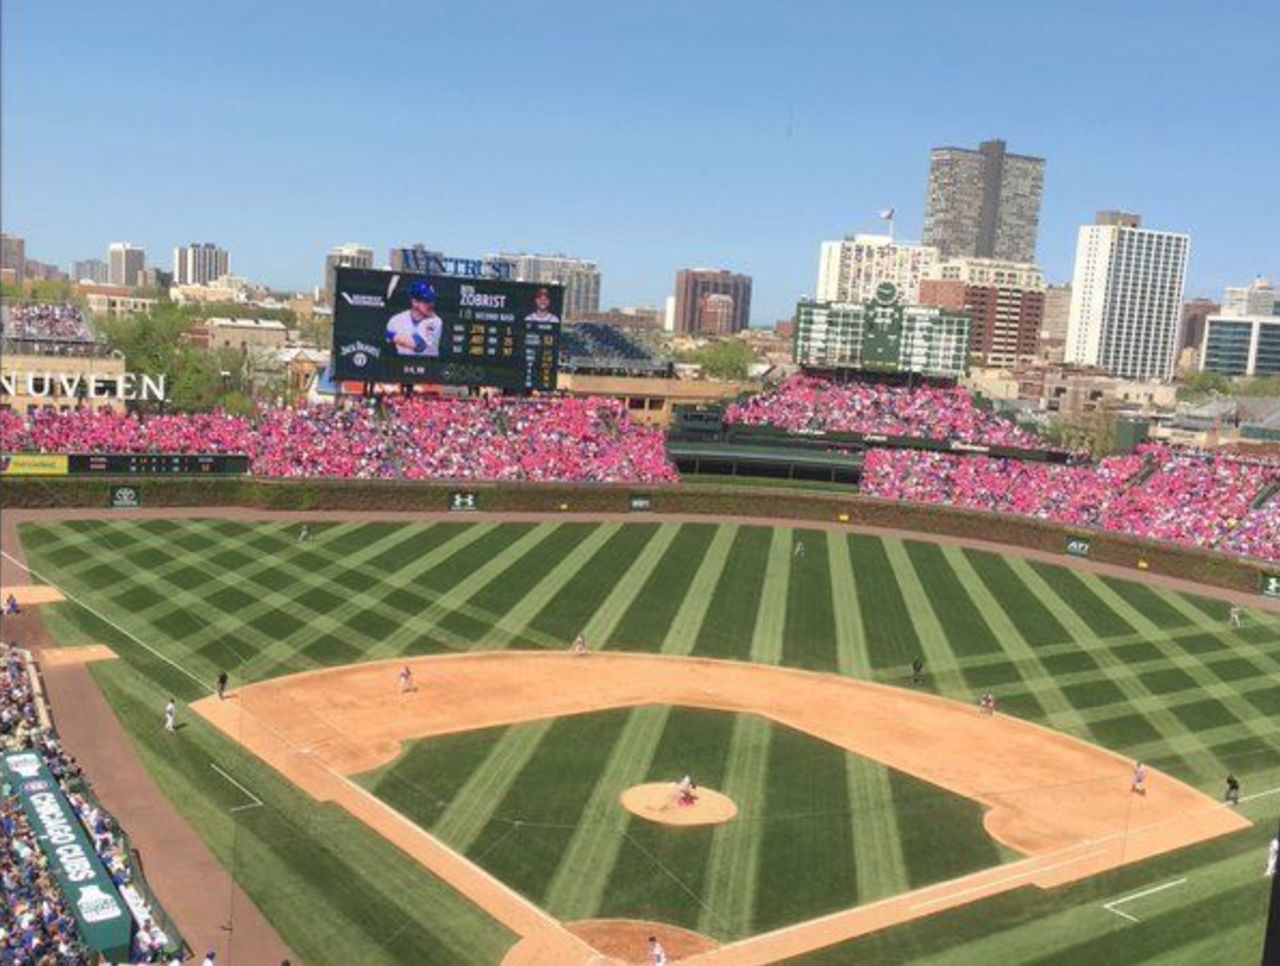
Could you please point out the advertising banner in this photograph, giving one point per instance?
(104, 922)
(125, 498)
(1078, 546)
(461, 502)
(1270, 585)
(401, 327)
(33, 464)
(641, 502)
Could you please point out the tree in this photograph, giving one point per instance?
(1204, 384)
(724, 359)
(1261, 386)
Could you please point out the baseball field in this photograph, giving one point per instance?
(477, 817)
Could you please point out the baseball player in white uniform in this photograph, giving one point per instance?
(416, 331)
(656, 951)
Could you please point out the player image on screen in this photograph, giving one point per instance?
(416, 331)
(542, 308)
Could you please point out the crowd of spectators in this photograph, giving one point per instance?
(1189, 498)
(37, 927)
(47, 322)
(806, 404)
(555, 439)
(585, 340)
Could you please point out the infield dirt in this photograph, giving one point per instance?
(1061, 802)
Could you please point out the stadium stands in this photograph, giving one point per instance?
(805, 404)
(425, 438)
(36, 924)
(47, 322)
(1203, 500)
(599, 348)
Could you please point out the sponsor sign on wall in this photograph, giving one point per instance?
(1270, 585)
(33, 464)
(1078, 546)
(641, 501)
(125, 498)
(462, 502)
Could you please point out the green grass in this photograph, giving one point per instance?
(1142, 671)
(802, 823)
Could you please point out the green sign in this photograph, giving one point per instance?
(125, 498)
(641, 501)
(1078, 546)
(1270, 585)
(460, 502)
(104, 922)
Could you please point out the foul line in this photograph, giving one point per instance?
(1111, 906)
(256, 803)
(107, 620)
(986, 886)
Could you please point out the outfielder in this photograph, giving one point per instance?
(416, 331)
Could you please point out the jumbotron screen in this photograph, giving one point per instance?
(404, 327)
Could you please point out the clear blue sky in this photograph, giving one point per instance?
(648, 137)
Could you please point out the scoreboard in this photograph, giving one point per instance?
(157, 464)
(405, 327)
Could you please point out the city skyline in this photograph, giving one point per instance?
(753, 186)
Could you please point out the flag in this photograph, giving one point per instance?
(887, 214)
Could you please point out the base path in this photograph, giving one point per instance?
(29, 594)
(616, 942)
(1063, 803)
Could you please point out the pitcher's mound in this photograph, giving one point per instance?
(660, 802)
(615, 941)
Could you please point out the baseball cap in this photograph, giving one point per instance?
(423, 291)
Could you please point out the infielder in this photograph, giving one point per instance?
(171, 716)
(580, 645)
(416, 331)
(1139, 779)
(406, 680)
(658, 954)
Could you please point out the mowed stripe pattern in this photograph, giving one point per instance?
(1149, 673)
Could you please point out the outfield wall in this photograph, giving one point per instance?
(737, 500)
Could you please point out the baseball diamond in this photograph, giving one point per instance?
(478, 816)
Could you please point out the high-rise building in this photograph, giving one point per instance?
(349, 255)
(1194, 314)
(125, 263)
(1126, 297)
(694, 285)
(1241, 345)
(13, 256)
(43, 271)
(1005, 318)
(157, 278)
(984, 203)
(1256, 298)
(90, 270)
(580, 278)
(1054, 323)
(852, 269)
(199, 263)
